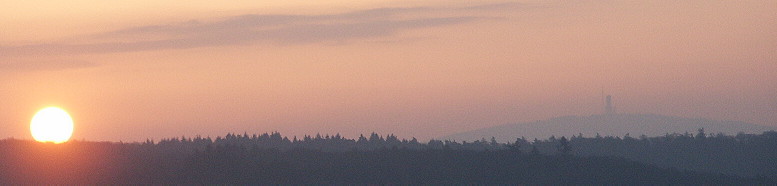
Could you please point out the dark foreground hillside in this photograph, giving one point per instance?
(27, 162)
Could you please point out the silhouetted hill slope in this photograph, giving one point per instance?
(171, 163)
(747, 155)
(607, 125)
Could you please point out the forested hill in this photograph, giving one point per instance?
(26, 162)
(608, 125)
(273, 159)
(743, 154)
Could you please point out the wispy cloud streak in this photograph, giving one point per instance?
(42, 65)
(250, 29)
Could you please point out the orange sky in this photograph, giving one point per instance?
(152, 69)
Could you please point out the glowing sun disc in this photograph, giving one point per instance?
(51, 124)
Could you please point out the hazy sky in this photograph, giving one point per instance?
(131, 70)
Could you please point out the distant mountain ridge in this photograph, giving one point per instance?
(607, 125)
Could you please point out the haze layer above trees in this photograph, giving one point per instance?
(608, 125)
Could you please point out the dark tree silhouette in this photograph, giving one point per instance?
(516, 147)
(563, 147)
(701, 134)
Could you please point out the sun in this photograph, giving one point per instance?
(51, 124)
